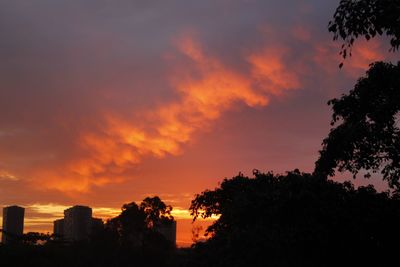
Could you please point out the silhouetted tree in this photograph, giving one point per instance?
(35, 238)
(156, 211)
(368, 18)
(130, 226)
(133, 233)
(295, 220)
(366, 133)
(136, 223)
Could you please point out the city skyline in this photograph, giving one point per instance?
(77, 225)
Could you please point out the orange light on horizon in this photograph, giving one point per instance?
(40, 218)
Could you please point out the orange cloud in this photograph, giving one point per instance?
(272, 73)
(206, 87)
(363, 53)
(5, 175)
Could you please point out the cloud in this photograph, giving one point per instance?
(100, 94)
(7, 176)
(53, 211)
(363, 54)
(206, 88)
(105, 145)
(272, 73)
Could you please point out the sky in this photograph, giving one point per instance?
(107, 102)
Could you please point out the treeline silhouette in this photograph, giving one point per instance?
(295, 219)
(129, 239)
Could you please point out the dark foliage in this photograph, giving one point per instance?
(295, 220)
(156, 211)
(83, 255)
(368, 18)
(135, 226)
(128, 228)
(127, 240)
(35, 238)
(366, 134)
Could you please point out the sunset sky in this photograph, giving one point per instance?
(106, 102)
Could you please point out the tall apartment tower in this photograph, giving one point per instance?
(77, 223)
(168, 230)
(58, 229)
(13, 224)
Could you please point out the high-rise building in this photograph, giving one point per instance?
(97, 225)
(77, 223)
(168, 230)
(58, 229)
(13, 224)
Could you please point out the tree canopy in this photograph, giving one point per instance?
(366, 135)
(295, 219)
(365, 132)
(156, 211)
(130, 226)
(135, 226)
(367, 18)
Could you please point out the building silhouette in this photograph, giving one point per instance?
(97, 225)
(168, 230)
(58, 229)
(13, 224)
(77, 225)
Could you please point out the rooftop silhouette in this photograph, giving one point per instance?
(13, 224)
